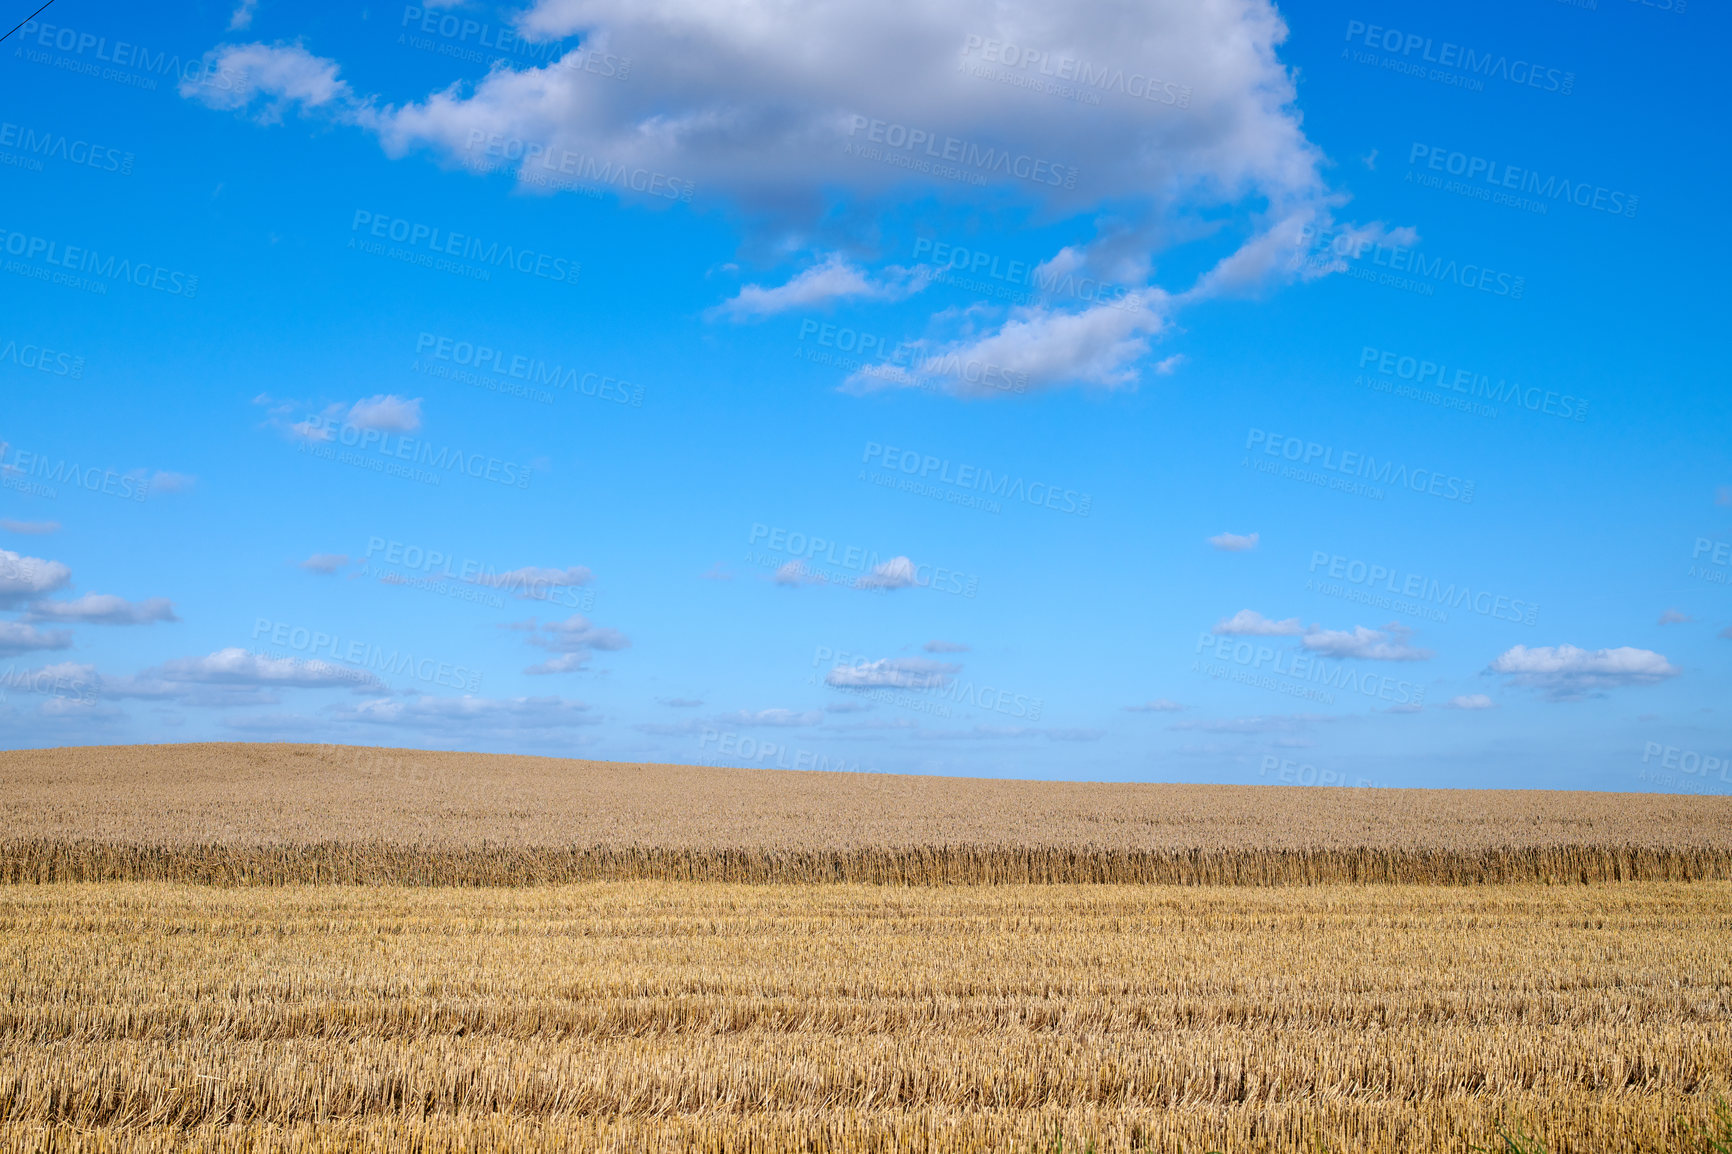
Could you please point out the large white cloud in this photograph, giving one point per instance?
(812, 118)
(1565, 672)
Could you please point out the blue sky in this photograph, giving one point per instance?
(1121, 392)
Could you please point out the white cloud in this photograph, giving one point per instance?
(30, 528)
(1566, 673)
(763, 105)
(103, 609)
(564, 663)
(1234, 542)
(1386, 644)
(1675, 617)
(680, 702)
(794, 574)
(1159, 705)
(243, 15)
(758, 100)
(1279, 723)
(573, 640)
(19, 638)
(896, 573)
(834, 279)
(774, 717)
(945, 647)
(1252, 623)
(1038, 348)
(23, 578)
(1285, 253)
(896, 672)
(235, 666)
(387, 413)
(1470, 701)
(325, 562)
(467, 715)
(280, 76)
(535, 582)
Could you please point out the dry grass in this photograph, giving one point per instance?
(283, 814)
(453, 998)
(664, 1016)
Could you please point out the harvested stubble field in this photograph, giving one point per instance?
(286, 813)
(145, 1008)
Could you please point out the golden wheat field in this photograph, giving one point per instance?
(189, 960)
